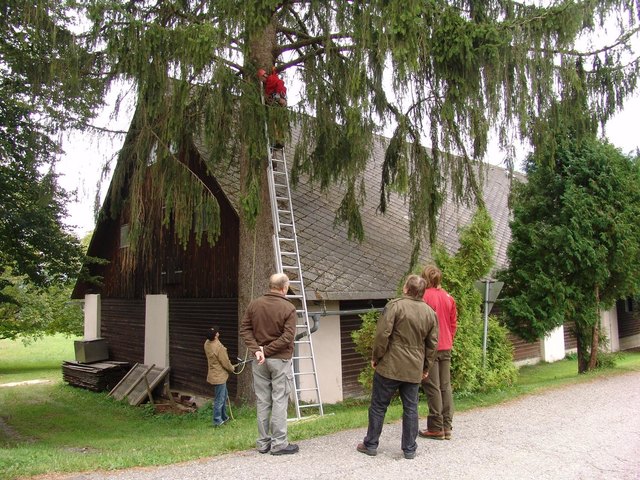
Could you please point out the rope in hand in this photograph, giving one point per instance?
(243, 363)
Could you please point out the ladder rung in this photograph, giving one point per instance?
(306, 357)
(293, 296)
(309, 405)
(306, 390)
(306, 373)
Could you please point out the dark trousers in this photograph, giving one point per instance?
(439, 394)
(381, 394)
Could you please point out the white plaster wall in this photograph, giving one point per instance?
(156, 331)
(609, 324)
(629, 342)
(552, 345)
(327, 353)
(92, 317)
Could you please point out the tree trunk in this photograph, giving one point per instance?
(256, 253)
(256, 265)
(595, 334)
(583, 365)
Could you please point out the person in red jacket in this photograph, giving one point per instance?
(438, 383)
(274, 88)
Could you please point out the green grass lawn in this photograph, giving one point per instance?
(52, 427)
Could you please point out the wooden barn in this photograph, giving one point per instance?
(157, 311)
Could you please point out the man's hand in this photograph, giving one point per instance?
(374, 364)
(260, 356)
(425, 375)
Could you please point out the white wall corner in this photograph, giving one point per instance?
(609, 325)
(156, 330)
(92, 316)
(327, 351)
(552, 345)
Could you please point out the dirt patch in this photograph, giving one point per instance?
(82, 450)
(10, 434)
(176, 408)
(26, 382)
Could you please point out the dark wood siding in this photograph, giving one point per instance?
(570, 340)
(352, 362)
(523, 350)
(197, 271)
(628, 321)
(188, 321)
(122, 325)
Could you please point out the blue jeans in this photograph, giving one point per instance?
(219, 409)
(381, 395)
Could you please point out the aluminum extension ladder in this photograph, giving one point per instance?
(285, 244)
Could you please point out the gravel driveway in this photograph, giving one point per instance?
(585, 431)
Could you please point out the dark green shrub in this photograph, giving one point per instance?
(363, 340)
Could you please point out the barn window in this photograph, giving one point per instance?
(628, 305)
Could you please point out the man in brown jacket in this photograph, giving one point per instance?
(268, 329)
(403, 350)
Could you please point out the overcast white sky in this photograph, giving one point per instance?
(81, 165)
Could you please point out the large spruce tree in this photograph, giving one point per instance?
(441, 72)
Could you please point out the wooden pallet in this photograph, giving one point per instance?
(138, 383)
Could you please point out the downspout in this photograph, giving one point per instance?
(316, 323)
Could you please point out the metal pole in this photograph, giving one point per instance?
(486, 323)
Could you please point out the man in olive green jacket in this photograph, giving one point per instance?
(404, 348)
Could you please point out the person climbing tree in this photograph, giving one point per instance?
(274, 88)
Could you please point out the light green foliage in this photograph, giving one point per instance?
(459, 272)
(575, 241)
(30, 312)
(472, 262)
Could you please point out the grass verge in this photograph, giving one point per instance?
(52, 427)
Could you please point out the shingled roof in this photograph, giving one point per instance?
(335, 268)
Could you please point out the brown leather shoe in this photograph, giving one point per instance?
(432, 435)
(447, 434)
(362, 448)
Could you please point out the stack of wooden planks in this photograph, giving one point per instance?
(97, 376)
